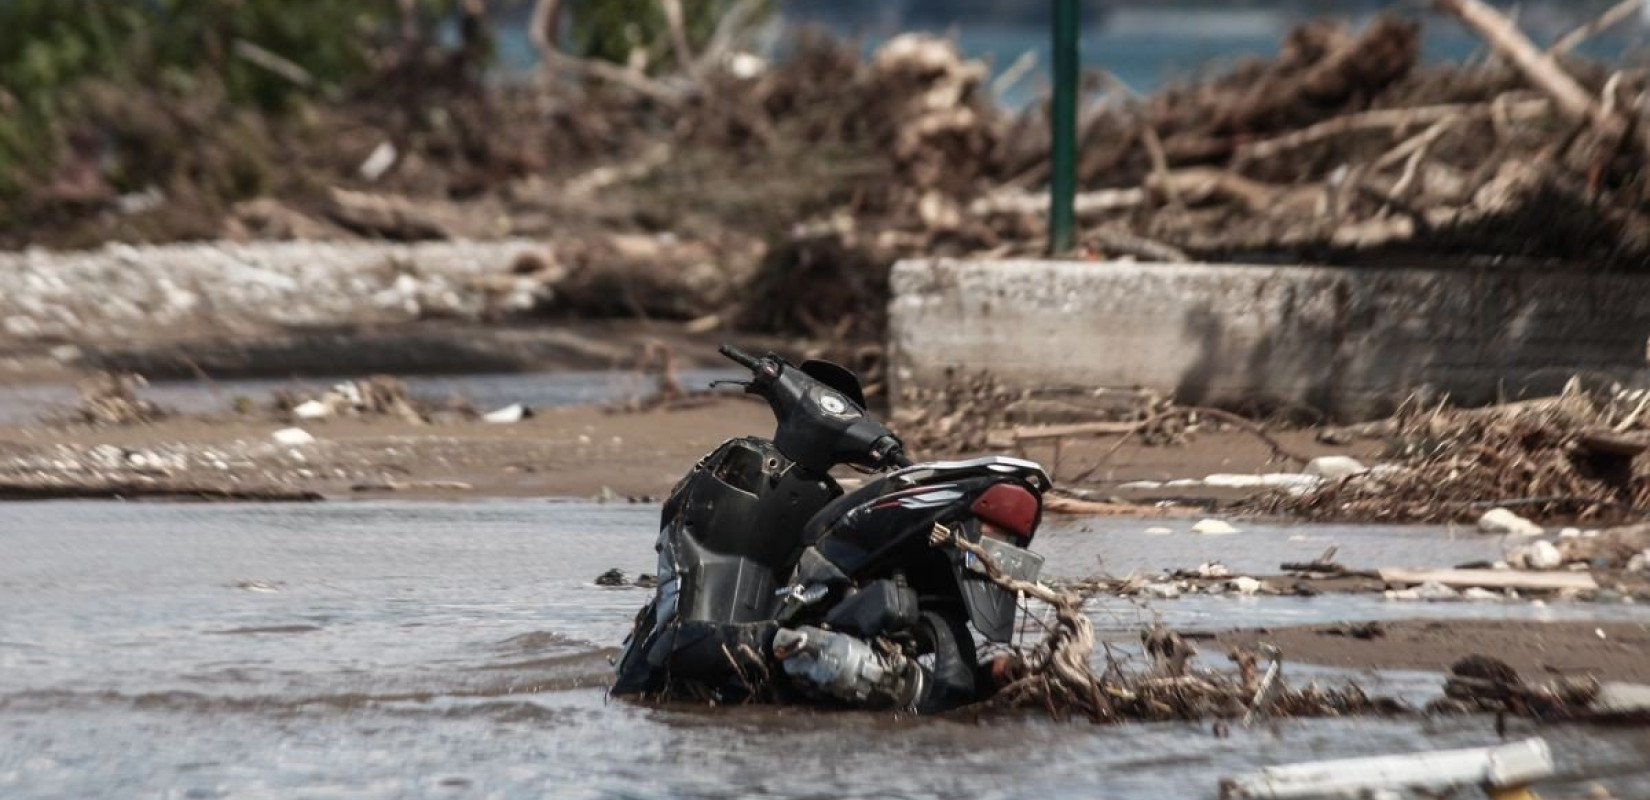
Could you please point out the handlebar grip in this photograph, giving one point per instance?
(740, 357)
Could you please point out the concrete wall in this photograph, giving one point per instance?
(1350, 341)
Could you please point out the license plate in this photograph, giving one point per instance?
(1015, 562)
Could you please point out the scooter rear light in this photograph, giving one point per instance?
(1010, 507)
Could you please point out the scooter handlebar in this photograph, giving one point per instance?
(740, 357)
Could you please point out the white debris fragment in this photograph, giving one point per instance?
(1214, 527)
(1538, 555)
(1334, 468)
(1244, 585)
(1479, 593)
(1157, 530)
(1213, 569)
(1164, 591)
(293, 437)
(312, 409)
(1501, 522)
(1433, 590)
(1139, 485)
(508, 415)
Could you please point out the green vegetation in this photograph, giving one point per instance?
(612, 29)
(262, 55)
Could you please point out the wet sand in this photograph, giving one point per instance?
(1538, 650)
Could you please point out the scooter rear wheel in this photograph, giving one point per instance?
(950, 679)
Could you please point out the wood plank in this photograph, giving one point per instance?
(1491, 578)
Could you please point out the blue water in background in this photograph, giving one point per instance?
(1144, 46)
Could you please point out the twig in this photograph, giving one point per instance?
(272, 62)
(1179, 411)
(544, 26)
(1615, 15)
(678, 34)
(1379, 120)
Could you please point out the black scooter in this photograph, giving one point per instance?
(772, 580)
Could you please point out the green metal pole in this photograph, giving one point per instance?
(1062, 184)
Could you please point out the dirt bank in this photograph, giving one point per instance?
(576, 452)
(558, 452)
(1607, 650)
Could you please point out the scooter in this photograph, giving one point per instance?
(774, 582)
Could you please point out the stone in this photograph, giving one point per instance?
(1158, 530)
(1245, 585)
(293, 437)
(1334, 468)
(1543, 555)
(1479, 593)
(1140, 485)
(1214, 527)
(1501, 522)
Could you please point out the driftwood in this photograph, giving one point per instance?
(1540, 68)
(11, 489)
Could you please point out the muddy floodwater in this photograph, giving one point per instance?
(423, 649)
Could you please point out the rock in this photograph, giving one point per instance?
(509, 415)
(1433, 590)
(1245, 585)
(293, 437)
(1165, 591)
(1214, 527)
(312, 409)
(646, 581)
(1501, 522)
(1637, 563)
(1479, 593)
(1140, 485)
(1570, 533)
(1158, 530)
(1402, 594)
(612, 577)
(1334, 468)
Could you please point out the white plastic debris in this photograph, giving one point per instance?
(1501, 522)
(1214, 527)
(1157, 530)
(312, 409)
(1433, 590)
(379, 162)
(1334, 468)
(1244, 585)
(293, 437)
(508, 415)
(1165, 591)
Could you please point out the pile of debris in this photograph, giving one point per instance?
(375, 396)
(1575, 454)
(110, 399)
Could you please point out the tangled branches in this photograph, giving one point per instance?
(1572, 453)
(1057, 674)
